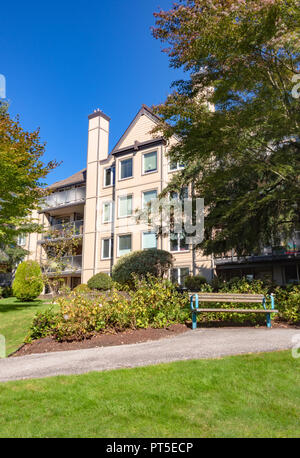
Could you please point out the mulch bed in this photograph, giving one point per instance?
(48, 344)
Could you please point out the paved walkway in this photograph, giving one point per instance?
(198, 344)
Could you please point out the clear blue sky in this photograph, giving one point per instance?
(63, 59)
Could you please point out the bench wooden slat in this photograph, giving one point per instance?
(250, 301)
(236, 310)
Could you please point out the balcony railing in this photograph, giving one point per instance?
(57, 231)
(62, 198)
(67, 264)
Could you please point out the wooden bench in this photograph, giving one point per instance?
(232, 298)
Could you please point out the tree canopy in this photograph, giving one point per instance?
(21, 175)
(236, 116)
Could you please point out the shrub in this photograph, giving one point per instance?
(195, 283)
(43, 325)
(100, 281)
(64, 290)
(287, 301)
(83, 288)
(28, 283)
(151, 261)
(7, 291)
(1, 292)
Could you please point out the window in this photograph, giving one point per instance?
(124, 246)
(107, 212)
(183, 194)
(178, 242)
(179, 274)
(125, 206)
(150, 162)
(173, 165)
(148, 196)
(107, 249)
(22, 239)
(149, 240)
(109, 176)
(126, 169)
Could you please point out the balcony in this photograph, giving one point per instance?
(67, 265)
(67, 230)
(64, 198)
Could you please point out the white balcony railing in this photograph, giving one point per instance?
(57, 231)
(67, 264)
(61, 198)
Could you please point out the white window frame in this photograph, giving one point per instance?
(143, 162)
(148, 232)
(22, 239)
(111, 212)
(118, 245)
(122, 196)
(104, 176)
(145, 192)
(110, 248)
(179, 273)
(177, 251)
(120, 167)
(178, 167)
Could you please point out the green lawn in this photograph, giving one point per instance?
(16, 318)
(240, 396)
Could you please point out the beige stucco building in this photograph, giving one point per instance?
(100, 202)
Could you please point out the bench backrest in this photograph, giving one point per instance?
(229, 297)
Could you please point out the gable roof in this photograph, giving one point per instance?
(145, 110)
(77, 178)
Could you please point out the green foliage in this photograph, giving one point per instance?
(100, 281)
(21, 173)
(287, 300)
(151, 261)
(64, 290)
(1, 292)
(244, 155)
(195, 283)
(82, 288)
(7, 291)
(42, 325)
(28, 282)
(153, 303)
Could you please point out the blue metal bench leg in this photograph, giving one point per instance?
(194, 318)
(269, 323)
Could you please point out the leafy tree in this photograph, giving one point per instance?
(21, 170)
(243, 157)
(10, 255)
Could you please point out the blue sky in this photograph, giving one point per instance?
(64, 59)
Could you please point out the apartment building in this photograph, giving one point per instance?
(99, 203)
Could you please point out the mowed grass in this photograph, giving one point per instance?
(16, 318)
(240, 396)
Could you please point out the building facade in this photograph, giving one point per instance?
(100, 202)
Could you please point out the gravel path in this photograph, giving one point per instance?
(198, 344)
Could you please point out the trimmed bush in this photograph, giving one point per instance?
(28, 283)
(42, 325)
(195, 283)
(7, 291)
(83, 288)
(100, 281)
(151, 261)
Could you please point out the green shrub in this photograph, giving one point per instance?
(195, 283)
(7, 291)
(287, 301)
(64, 290)
(83, 288)
(151, 261)
(44, 323)
(100, 281)
(28, 283)
(1, 291)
